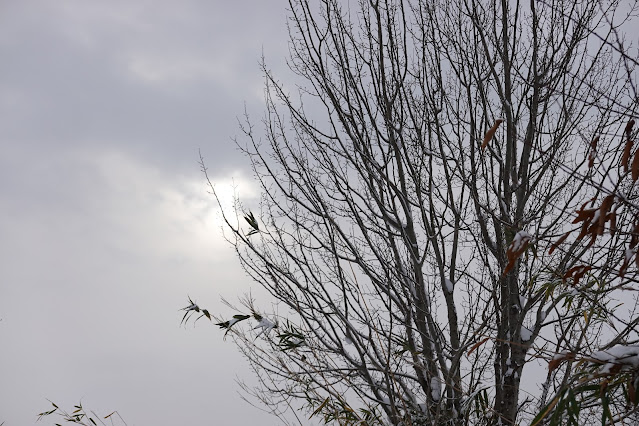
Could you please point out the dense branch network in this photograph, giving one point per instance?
(414, 199)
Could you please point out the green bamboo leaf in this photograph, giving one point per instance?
(545, 411)
(250, 218)
(322, 405)
(228, 324)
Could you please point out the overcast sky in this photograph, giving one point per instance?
(105, 223)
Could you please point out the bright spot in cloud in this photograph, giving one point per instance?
(168, 215)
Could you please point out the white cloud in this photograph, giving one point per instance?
(99, 267)
(165, 215)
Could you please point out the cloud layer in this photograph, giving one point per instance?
(105, 222)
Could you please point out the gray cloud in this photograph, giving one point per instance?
(154, 81)
(105, 223)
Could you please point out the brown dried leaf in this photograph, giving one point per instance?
(583, 208)
(556, 244)
(490, 133)
(584, 230)
(635, 166)
(510, 265)
(612, 217)
(615, 369)
(593, 152)
(584, 214)
(515, 249)
(626, 262)
(625, 159)
(553, 364)
(605, 207)
(628, 128)
(576, 273)
(556, 362)
(634, 239)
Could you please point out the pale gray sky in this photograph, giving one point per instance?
(105, 223)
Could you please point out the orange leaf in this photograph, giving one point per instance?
(476, 345)
(490, 133)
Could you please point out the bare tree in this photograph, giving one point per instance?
(412, 191)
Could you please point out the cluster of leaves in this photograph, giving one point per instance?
(80, 416)
(593, 218)
(290, 337)
(192, 309)
(337, 410)
(609, 386)
(568, 405)
(250, 218)
(230, 323)
(287, 337)
(479, 403)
